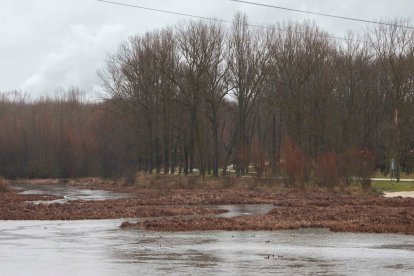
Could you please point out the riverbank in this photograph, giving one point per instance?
(183, 209)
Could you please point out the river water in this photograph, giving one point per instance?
(101, 247)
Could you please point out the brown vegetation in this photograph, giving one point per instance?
(14, 206)
(296, 164)
(184, 211)
(308, 210)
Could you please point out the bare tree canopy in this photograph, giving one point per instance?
(204, 97)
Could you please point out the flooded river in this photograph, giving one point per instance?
(102, 248)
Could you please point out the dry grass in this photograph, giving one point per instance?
(341, 213)
(14, 206)
(166, 183)
(169, 182)
(297, 208)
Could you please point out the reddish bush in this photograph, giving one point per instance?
(295, 164)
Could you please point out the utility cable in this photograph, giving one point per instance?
(323, 14)
(213, 19)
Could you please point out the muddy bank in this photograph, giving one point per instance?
(371, 214)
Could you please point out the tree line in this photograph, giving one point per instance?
(202, 97)
(59, 137)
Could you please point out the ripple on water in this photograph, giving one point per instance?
(100, 247)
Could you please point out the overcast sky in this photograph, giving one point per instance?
(50, 44)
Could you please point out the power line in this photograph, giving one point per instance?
(323, 14)
(164, 11)
(213, 19)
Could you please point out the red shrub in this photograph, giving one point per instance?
(295, 164)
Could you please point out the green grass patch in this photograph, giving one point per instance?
(392, 186)
(403, 175)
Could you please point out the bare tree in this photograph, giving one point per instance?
(247, 60)
(394, 51)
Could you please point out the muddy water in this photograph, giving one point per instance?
(67, 192)
(102, 248)
(243, 210)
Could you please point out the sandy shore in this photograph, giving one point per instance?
(399, 194)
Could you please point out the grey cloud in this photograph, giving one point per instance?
(75, 63)
(50, 44)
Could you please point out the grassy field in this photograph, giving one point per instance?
(403, 175)
(388, 186)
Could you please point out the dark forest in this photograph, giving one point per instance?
(212, 99)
